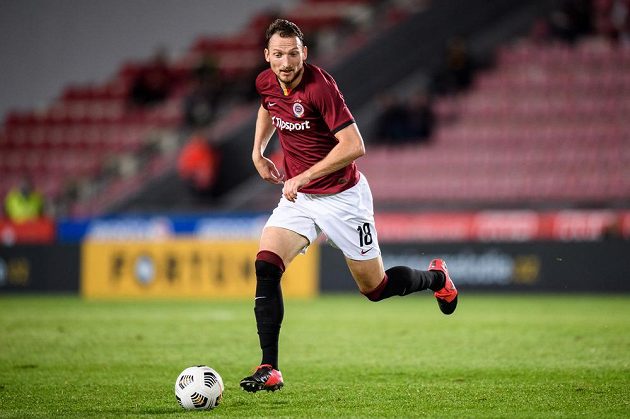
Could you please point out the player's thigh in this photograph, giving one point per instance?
(368, 274)
(347, 219)
(283, 242)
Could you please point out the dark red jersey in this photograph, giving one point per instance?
(306, 120)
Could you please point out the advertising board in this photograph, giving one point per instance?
(39, 268)
(185, 268)
(532, 266)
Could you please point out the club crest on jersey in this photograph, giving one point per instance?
(298, 110)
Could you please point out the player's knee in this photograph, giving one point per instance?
(268, 265)
(373, 295)
(377, 293)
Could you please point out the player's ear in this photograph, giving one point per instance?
(304, 51)
(266, 54)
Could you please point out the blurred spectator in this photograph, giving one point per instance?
(206, 72)
(201, 103)
(199, 107)
(457, 73)
(540, 32)
(621, 18)
(612, 20)
(603, 22)
(153, 82)
(608, 20)
(393, 121)
(421, 116)
(197, 164)
(23, 202)
(401, 122)
(571, 20)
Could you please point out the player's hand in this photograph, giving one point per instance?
(268, 171)
(293, 185)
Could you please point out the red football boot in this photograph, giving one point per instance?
(264, 378)
(447, 296)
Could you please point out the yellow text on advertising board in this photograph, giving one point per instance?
(185, 268)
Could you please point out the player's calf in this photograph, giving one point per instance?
(402, 280)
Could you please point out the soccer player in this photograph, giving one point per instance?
(322, 192)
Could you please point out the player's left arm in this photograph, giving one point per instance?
(349, 147)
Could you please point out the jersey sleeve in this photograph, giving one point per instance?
(260, 87)
(331, 104)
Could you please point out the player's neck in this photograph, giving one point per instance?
(287, 88)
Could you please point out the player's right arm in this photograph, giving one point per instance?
(264, 130)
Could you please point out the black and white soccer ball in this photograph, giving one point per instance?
(199, 388)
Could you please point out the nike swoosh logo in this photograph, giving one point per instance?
(259, 298)
(272, 104)
(365, 251)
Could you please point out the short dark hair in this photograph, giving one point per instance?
(285, 29)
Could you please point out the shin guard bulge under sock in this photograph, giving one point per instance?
(269, 306)
(402, 280)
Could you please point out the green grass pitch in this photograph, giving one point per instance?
(505, 356)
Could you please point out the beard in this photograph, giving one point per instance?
(289, 83)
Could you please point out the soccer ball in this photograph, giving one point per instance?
(199, 388)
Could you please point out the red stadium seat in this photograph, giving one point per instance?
(549, 124)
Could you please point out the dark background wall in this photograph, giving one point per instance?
(40, 268)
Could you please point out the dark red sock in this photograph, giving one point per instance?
(271, 257)
(375, 294)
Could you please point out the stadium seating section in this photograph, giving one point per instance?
(548, 124)
(74, 141)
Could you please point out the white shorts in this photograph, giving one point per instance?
(346, 218)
